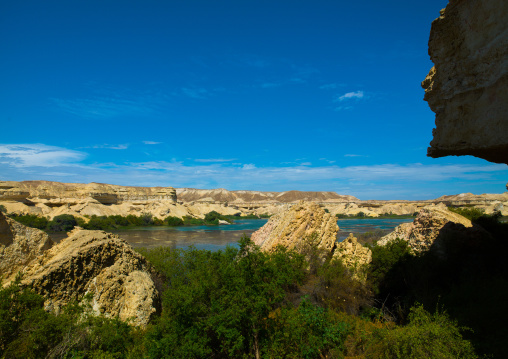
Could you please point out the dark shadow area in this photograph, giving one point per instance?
(6, 235)
(465, 272)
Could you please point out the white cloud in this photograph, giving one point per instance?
(350, 95)
(353, 155)
(214, 159)
(151, 143)
(110, 147)
(38, 155)
(382, 181)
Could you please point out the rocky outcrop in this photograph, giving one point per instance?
(119, 281)
(19, 245)
(353, 255)
(432, 227)
(298, 226)
(468, 86)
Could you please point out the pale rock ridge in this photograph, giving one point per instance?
(118, 279)
(298, 226)
(19, 245)
(468, 86)
(353, 255)
(431, 223)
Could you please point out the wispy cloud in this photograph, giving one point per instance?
(353, 155)
(38, 155)
(151, 143)
(214, 159)
(382, 181)
(109, 147)
(350, 96)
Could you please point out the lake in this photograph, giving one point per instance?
(218, 237)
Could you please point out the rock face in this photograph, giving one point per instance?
(118, 279)
(302, 224)
(19, 245)
(433, 223)
(352, 254)
(468, 86)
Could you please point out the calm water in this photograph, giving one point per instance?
(218, 237)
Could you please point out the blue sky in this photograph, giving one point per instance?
(257, 95)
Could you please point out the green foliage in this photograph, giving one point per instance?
(191, 221)
(471, 213)
(28, 331)
(387, 267)
(3, 209)
(31, 220)
(307, 331)
(173, 221)
(426, 336)
(62, 223)
(217, 304)
(213, 217)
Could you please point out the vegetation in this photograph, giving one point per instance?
(244, 303)
(3, 209)
(67, 222)
(236, 303)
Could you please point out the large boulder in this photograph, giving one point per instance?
(119, 281)
(468, 86)
(19, 245)
(432, 227)
(297, 227)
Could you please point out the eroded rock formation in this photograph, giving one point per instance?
(19, 245)
(119, 280)
(432, 227)
(353, 255)
(468, 86)
(297, 227)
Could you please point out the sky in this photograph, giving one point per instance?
(244, 95)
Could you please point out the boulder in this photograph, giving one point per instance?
(432, 227)
(297, 227)
(468, 86)
(19, 245)
(119, 281)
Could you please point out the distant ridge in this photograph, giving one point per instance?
(242, 196)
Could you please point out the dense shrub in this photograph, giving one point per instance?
(3, 209)
(173, 221)
(63, 222)
(31, 220)
(426, 336)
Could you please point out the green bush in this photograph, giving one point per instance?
(31, 220)
(173, 221)
(3, 209)
(62, 223)
(426, 336)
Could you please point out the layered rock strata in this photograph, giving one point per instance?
(297, 227)
(468, 86)
(119, 281)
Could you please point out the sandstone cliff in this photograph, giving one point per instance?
(119, 280)
(468, 86)
(432, 227)
(19, 245)
(298, 226)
